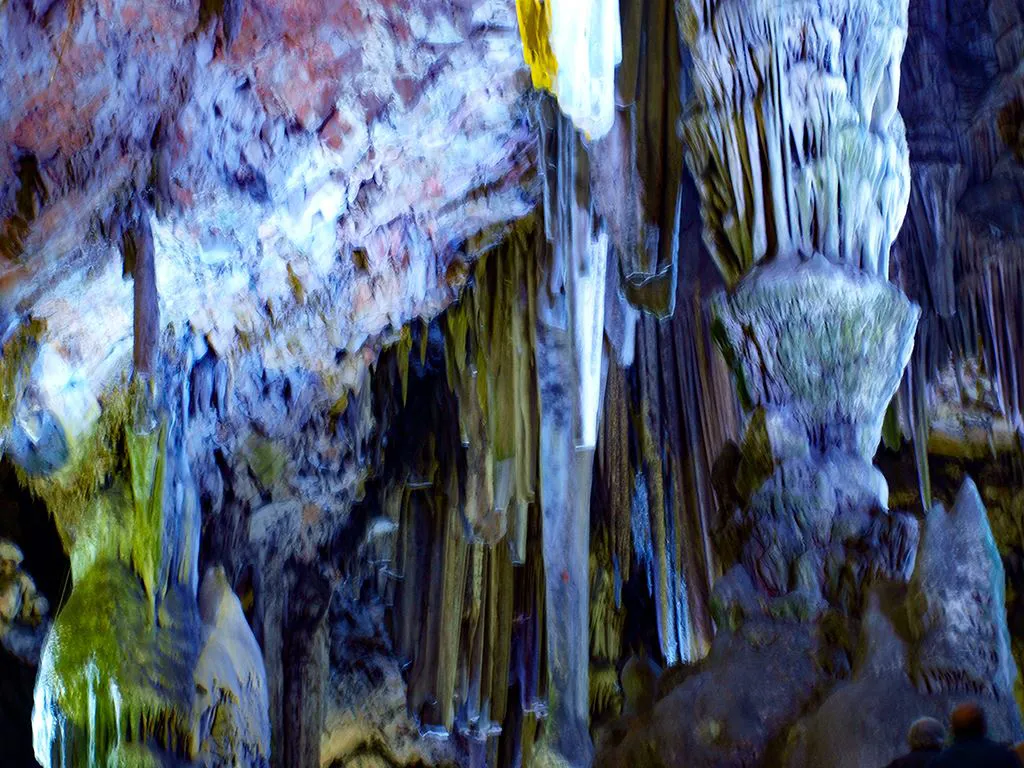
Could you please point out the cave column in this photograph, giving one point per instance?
(801, 161)
(146, 310)
(305, 664)
(569, 355)
(566, 537)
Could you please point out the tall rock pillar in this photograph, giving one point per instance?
(801, 160)
(568, 358)
(141, 667)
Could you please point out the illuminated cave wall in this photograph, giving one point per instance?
(498, 383)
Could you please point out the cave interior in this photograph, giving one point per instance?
(508, 383)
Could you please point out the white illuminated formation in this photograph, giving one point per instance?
(588, 327)
(573, 47)
(587, 44)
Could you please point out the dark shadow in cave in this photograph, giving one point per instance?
(26, 521)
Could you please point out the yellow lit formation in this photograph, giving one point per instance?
(535, 30)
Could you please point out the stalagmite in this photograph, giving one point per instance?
(304, 658)
(232, 717)
(90, 697)
(959, 584)
(23, 611)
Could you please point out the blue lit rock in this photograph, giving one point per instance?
(313, 180)
(957, 608)
(801, 164)
(922, 650)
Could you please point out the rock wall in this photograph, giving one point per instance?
(958, 252)
(274, 182)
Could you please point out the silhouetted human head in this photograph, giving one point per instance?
(926, 733)
(968, 722)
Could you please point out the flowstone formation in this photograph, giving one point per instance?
(131, 584)
(958, 254)
(125, 506)
(818, 351)
(795, 140)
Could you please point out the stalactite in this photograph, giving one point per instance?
(674, 415)
(660, 437)
(927, 272)
(930, 233)
(607, 620)
(644, 220)
(614, 471)
(432, 564)
(650, 175)
(468, 597)
(978, 321)
(139, 253)
(915, 395)
(525, 364)
(489, 335)
(572, 49)
(1001, 281)
(950, 251)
